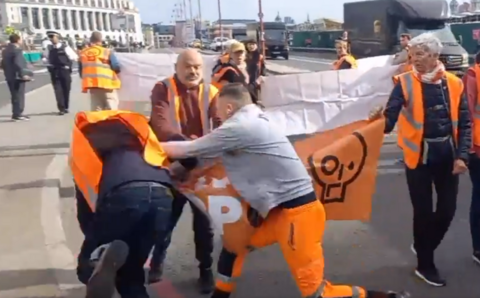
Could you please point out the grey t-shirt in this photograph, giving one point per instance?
(260, 161)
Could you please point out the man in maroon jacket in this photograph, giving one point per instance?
(187, 83)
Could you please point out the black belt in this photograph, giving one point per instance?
(300, 201)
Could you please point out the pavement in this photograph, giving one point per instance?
(42, 238)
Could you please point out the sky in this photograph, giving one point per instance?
(154, 11)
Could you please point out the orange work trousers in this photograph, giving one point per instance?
(299, 233)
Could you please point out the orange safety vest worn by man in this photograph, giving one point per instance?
(183, 107)
(98, 69)
(120, 169)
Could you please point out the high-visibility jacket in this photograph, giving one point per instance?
(411, 119)
(85, 164)
(347, 58)
(406, 67)
(206, 93)
(96, 70)
(217, 77)
(476, 113)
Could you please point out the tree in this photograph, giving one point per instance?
(9, 30)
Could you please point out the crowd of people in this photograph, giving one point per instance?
(127, 167)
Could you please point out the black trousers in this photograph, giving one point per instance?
(429, 225)
(17, 92)
(61, 82)
(203, 235)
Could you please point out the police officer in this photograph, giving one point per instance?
(60, 56)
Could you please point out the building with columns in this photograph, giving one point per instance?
(117, 19)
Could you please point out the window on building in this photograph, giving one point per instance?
(107, 3)
(92, 3)
(77, 2)
(100, 3)
(112, 2)
(24, 13)
(105, 21)
(46, 19)
(83, 25)
(98, 21)
(73, 15)
(70, 2)
(36, 18)
(90, 21)
(65, 17)
(111, 22)
(56, 21)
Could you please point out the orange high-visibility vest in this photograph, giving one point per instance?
(85, 164)
(216, 77)
(96, 70)
(348, 58)
(206, 93)
(476, 112)
(410, 120)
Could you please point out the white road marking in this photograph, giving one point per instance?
(61, 257)
(312, 60)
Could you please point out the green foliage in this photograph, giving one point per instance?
(9, 30)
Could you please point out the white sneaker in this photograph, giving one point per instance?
(476, 258)
(412, 248)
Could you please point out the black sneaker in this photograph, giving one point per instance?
(102, 282)
(66, 111)
(61, 113)
(476, 257)
(220, 294)
(155, 274)
(431, 277)
(20, 118)
(205, 281)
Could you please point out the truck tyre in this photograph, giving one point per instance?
(274, 56)
(285, 56)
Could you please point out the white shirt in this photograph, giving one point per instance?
(68, 50)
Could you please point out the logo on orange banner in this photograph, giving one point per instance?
(342, 163)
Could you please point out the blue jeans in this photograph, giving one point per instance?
(474, 169)
(136, 213)
(203, 235)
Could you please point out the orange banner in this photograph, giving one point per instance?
(342, 163)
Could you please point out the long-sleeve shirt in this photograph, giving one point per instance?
(14, 64)
(259, 160)
(437, 121)
(72, 55)
(471, 90)
(190, 115)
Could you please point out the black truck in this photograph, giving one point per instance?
(276, 38)
(374, 28)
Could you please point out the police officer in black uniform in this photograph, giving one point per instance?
(60, 56)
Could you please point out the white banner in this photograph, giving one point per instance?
(297, 103)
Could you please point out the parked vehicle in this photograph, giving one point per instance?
(276, 38)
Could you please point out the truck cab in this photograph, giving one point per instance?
(276, 38)
(375, 27)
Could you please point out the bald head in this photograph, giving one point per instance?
(189, 67)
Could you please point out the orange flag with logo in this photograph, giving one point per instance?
(342, 163)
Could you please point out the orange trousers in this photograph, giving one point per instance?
(299, 233)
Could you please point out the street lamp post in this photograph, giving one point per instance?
(262, 31)
(220, 23)
(201, 22)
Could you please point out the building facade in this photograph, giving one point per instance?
(117, 19)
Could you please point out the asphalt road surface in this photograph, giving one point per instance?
(40, 79)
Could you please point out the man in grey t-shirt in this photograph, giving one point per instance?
(265, 170)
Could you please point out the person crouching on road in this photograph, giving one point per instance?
(60, 57)
(235, 71)
(472, 88)
(122, 172)
(344, 59)
(99, 69)
(434, 132)
(196, 116)
(285, 218)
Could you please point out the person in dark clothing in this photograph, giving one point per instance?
(235, 71)
(60, 57)
(16, 74)
(255, 62)
(132, 200)
(435, 137)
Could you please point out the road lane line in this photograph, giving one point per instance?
(322, 61)
(61, 257)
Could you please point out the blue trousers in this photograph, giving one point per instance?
(474, 169)
(136, 213)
